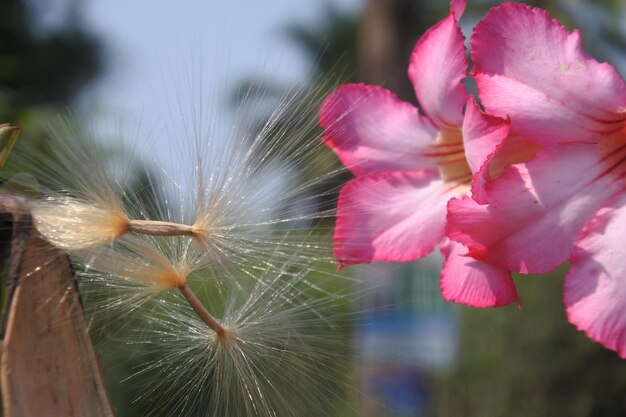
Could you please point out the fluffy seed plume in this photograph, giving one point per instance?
(241, 193)
(72, 224)
(279, 355)
(215, 260)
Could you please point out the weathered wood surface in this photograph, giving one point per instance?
(48, 366)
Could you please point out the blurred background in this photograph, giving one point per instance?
(415, 354)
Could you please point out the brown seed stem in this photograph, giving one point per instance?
(202, 312)
(158, 228)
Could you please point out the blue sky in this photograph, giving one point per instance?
(159, 52)
(149, 41)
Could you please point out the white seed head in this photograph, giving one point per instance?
(72, 224)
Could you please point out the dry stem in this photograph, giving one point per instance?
(202, 312)
(158, 228)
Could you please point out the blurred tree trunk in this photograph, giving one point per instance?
(387, 37)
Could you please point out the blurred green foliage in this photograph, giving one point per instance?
(530, 361)
(43, 66)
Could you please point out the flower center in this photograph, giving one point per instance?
(613, 151)
(449, 155)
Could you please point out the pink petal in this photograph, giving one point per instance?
(396, 216)
(371, 130)
(438, 64)
(457, 7)
(536, 210)
(529, 67)
(477, 284)
(483, 135)
(595, 286)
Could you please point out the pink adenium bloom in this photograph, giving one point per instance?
(569, 200)
(408, 166)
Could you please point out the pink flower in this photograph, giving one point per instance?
(408, 166)
(569, 200)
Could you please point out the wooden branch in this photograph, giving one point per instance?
(48, 366)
